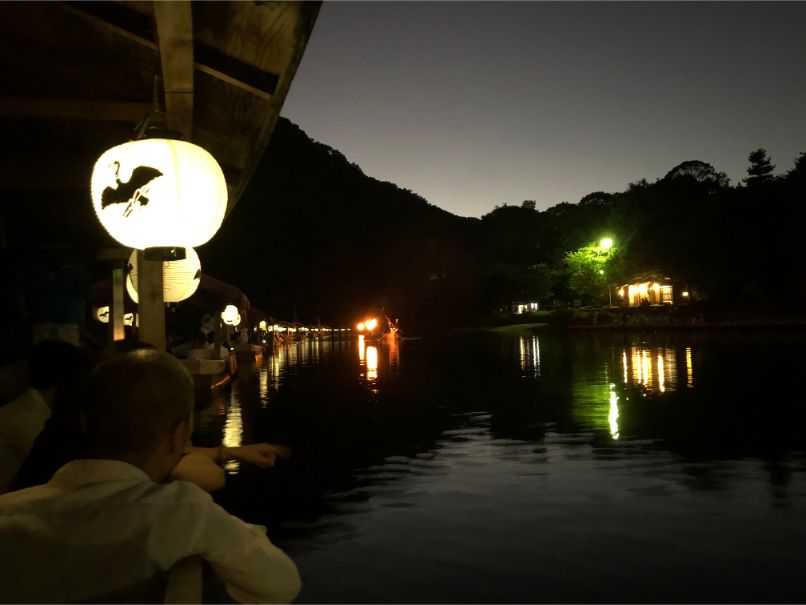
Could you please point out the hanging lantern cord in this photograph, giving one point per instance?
(157, 124)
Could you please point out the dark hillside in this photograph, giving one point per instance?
(315, 237)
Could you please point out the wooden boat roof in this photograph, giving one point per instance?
(78, 77)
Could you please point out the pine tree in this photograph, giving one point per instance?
(760, 169)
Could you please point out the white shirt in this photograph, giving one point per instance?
(205, 353)
(21, 421)
(100, 526)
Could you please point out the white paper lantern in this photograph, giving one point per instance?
(180, 278)
(102, 314)
(230, 315)
(159, 193)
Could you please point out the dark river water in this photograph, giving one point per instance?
(530, 467)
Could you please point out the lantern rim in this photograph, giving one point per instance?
(165, 253)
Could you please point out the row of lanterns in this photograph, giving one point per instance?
(162, 193)
(129, 319)
(159, 193)
(230, 316)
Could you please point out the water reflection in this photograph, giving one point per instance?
(264, 386)
(233, 427)
(372, 363)
(604, 373)
(464, 450)
(530, 355)
(655, 369)
(689, 369)
(613, 415)
(392, 346)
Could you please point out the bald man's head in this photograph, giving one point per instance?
(132, 400)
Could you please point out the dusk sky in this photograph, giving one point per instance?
(476, 104)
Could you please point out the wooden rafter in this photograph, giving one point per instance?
(69, 109)
(175, 41)
(207, 60)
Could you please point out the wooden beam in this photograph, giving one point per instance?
(117, 330)
(73, 109)
(248, 78)
(46, 172)
(151, 306)
(175, 39)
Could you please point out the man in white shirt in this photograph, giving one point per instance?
(109, 527)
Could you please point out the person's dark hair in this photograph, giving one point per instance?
(55, 364)
(121, 347)
(131, 400)
(18, 331)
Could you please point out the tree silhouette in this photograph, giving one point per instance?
(800, 165)
(702, 172)
(760, 169)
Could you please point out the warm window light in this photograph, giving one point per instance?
(262, 325)
(621, 292)
(180, 278)
(656, 287)
(159, 193)
(606, 243)
(371, 324)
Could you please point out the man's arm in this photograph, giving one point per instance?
(259, 572)
(259, 454)
(253, 569)
(201, 470)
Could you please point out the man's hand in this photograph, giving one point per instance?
(263, 455)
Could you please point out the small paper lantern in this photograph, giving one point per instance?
(102, 314)
(180, 278)
(159, 193)
(230, 315)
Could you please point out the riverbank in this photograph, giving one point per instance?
(641, 319)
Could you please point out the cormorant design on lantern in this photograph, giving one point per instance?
(132, 191)
(102, 315)
(158, 193)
